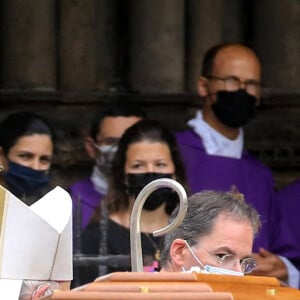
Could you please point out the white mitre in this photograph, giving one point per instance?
(35, 241)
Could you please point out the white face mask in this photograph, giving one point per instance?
(210, 269)
(218, 270)
(105, 157)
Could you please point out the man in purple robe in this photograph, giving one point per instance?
(287, 201)
(213, 146)
(101, 144)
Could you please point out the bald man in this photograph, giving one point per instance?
(213, 147)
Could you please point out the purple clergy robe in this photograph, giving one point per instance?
(89, 199)
(288, 203)
(251, 177)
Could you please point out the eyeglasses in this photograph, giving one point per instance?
(233, 83)
(229, 261)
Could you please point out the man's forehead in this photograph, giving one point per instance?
(236, 50)
(231, 227)
(114, 126)
(237, 61)
(231, 233)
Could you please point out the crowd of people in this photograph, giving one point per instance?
(250, 229)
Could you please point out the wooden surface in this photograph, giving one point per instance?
(173, 285)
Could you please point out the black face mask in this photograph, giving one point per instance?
(234, 109)
(136, 182)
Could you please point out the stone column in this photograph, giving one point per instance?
(87, 43)
(204, 30)
(276, 40)
(156, 46)
(28, 44)
(235, 24)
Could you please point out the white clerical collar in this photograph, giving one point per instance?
(214, 142)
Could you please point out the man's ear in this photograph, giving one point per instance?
(178, 254)
(202, 86)
(90, 147)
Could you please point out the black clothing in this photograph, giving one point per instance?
(118, 242)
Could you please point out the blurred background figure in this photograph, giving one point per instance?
(26, 151)
(101, 144)
(146, 151)
(214, 153)
(287, 203)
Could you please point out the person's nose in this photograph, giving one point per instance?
(36, 165)
(150, 168)
(243, 85)
(237, 266)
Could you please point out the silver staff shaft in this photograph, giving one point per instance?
(135, 230)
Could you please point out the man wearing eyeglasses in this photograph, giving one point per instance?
(213, 146)
(108, 125)
(216, 236)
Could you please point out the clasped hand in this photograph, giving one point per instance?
(269, 264)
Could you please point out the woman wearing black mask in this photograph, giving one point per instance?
(26, 150)
(146, 151)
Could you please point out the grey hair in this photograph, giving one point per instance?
(29, 287)
(203, 209)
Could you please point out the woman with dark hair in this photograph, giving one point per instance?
(26, 150)
(146, 151)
